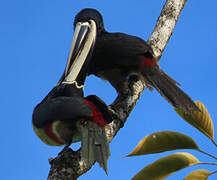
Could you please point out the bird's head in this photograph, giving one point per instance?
(88, 14)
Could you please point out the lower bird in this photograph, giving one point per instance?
(64, 116)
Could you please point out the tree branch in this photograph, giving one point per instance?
(69, 165)
(165, 25)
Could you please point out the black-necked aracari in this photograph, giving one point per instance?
(64, 116)
(117, 55)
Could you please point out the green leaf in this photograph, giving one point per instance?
(199, 174)
(163, 141)
(166, 166)
(200, 120)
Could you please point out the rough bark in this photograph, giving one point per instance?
(165, 25)
(68, 165)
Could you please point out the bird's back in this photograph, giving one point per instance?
(118, 49)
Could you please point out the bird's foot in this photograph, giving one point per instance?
(64, 149)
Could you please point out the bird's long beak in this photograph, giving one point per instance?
(80, 53)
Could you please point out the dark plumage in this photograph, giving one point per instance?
(117, 55)
(64, 116)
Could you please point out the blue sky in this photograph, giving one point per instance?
(35, 38)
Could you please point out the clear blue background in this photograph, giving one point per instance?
(35, 38)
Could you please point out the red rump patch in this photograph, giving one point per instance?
(148, 62)
(97, 115)
(48, 130)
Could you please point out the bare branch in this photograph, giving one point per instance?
(68, 165)
(165, 25)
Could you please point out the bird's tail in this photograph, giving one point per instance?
(95, 146)
(168, 88)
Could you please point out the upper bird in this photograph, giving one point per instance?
(65, 116)
(117, 55)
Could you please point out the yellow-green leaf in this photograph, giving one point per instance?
(163, 141)
(199, 174)
(166, 166)
(200, 120)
